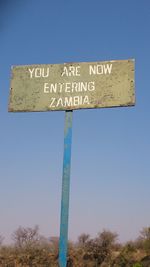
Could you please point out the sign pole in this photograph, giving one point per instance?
(63, 241)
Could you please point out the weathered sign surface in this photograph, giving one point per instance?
(72, 86)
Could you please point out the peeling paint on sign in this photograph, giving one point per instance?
(72, 86)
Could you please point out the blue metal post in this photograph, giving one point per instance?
(63, 241)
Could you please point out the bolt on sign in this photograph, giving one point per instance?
(72, 86)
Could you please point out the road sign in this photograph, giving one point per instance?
(72, 86)
(67, 87)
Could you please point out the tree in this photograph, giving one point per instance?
(145, 233)
(127, 255)
(26, 237)
(1, 239)
(104, 244)
(83, 239)
(144, 240)
(107, 238)
(100, 248)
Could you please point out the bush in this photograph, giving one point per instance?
(137, 265)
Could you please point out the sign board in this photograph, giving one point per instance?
(72, 86)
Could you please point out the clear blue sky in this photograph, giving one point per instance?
(110, 175)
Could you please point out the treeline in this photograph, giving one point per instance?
(29, 248)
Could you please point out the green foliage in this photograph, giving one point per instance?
(122, 261)
(137, 265)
